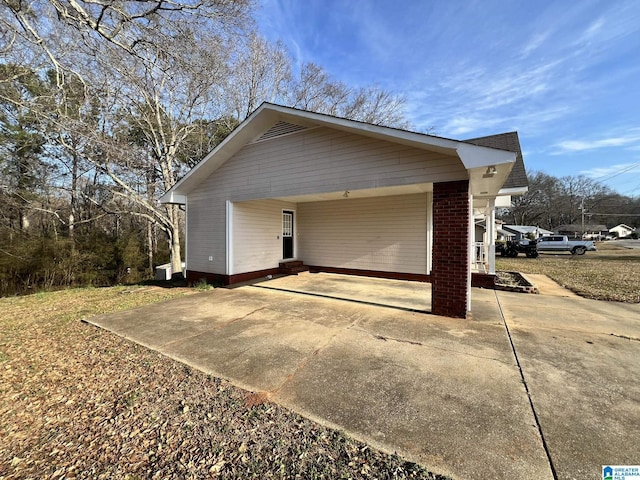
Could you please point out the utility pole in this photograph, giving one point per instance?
(582, 211)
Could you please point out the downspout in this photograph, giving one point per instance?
(229, 238)
(186, 239)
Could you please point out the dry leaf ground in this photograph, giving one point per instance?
(79, 402)
(612, 273)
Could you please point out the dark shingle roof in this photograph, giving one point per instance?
(507, 141)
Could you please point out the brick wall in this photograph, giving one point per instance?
(483, 280)
(451, 269)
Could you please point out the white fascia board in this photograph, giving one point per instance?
(513, 191)
(505, 194)
(172, 197)
(503, 201)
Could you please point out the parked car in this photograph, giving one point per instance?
(560, 243)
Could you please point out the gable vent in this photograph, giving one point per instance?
(279, 129)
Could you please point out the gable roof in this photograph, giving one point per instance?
(507, 141)
(524, 229)
(270, 118)
(623, 226)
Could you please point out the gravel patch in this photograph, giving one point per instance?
(79, 402)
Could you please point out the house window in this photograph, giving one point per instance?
(287, 225)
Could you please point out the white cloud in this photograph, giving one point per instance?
(535, 43)
(629, 139)
(593, 31)
(462, 125)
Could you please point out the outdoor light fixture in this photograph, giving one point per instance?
(491, 171)
(346, 194)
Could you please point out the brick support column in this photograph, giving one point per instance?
(450, 254)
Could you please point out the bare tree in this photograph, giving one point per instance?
(258, 72)
(59, 28)
(154, 65)
(552, 201)
(141, 90)
(316, 91)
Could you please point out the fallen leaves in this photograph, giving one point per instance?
(78, 402)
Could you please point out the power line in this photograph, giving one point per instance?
(624, 169)
(614, 214)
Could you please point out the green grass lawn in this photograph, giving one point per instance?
(612, 273)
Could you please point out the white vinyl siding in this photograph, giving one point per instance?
(323, 160)
(206, 235)
(257, 234)
(381, 233)
(318, 160)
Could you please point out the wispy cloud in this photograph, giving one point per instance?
(627, 139)
(475, 98)
(463, 125)
(535, 43)
(593, 30)
(534, 119)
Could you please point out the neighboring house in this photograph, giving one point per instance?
(504, 235)
(582, 231)
(523, 231)
(500, 233)
(341, 196)
(622, 230)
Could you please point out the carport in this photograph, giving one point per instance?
(340, 196)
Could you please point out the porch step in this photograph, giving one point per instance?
(292, 267)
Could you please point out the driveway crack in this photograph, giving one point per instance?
(214, 328)
(633, 339)
(399, 340)
(420, 344)
(306, 359)
(526, 387)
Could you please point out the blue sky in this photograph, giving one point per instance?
(564, 74)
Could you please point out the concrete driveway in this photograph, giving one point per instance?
(531, 387)
(629, 243)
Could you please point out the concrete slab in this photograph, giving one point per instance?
(375, 291)
(546, 286)
(447, 393)
(263, 350)
(450, 398)
(580, 362)
(571, 314)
